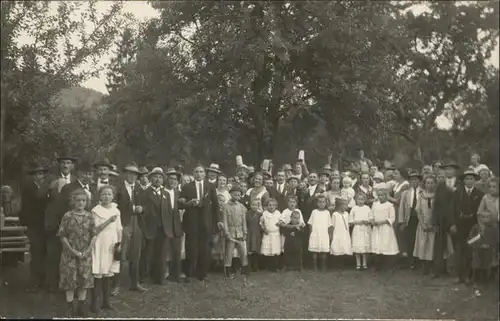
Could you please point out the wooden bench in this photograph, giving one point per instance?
(13, 239)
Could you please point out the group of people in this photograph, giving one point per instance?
(169, 225)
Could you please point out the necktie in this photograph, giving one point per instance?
(469, 191)
(414, 202)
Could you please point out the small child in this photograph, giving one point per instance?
(292, 233)
(285, 220)
(341, 240)
(320, 225)
(77, 232)
(235, 229)
(347, 192)
(484, 243)
(271, 240)
(383, 240)
(254, 237)
(109, 234)
(218, 239)
(361, 217)
(489, 202)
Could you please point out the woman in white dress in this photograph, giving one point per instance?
(320, 225)
(384, 241)
(104, 265)
(424, 239)
(271, 239)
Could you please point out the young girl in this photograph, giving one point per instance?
(77, 232)
(292, 233)
(254, 237)
(320, 225)
(361, 218)
(489, 203)
(383, 240)
(109, 235)
(341, 240)
(271, 241)
(348, 192)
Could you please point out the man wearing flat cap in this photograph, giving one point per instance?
(34, 200)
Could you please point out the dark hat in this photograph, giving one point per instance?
(67, 157)
(179, 168)
(470, 172)
(103, 162)
(235, 188)
(132, 168)
(450, 163)
(172, 171)
(84, 166)
(213, 168)
(293, 177)
(36, 168)
(414, 174)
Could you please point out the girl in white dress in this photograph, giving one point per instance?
(271, 240)
(320, 225)
(109, 237)
(361, 217)
(384, 241)
(341, 239)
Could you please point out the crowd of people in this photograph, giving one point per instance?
(165, 225)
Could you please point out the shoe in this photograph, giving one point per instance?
(358, 267)
(365, 267)
(138, 288)
(115, 291)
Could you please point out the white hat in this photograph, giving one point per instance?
(378, 175)
(157, 170)
(382, 186)
(214, 168)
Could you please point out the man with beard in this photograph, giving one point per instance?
(53, 218)
(33, 205)
(199, 199)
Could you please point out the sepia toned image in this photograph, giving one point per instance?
(250, 160)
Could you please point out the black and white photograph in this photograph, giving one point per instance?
(250, 160)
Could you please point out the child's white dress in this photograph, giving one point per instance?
(103, 262)
(320, 221)
(383, 237)
(271, 242)
(285, 219)
(341, 240)
(348, 194)
(361, 234)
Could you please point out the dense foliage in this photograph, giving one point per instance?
(207, 81)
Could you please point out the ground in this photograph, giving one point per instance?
(333, 294)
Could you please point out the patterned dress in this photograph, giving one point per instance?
(78, 229)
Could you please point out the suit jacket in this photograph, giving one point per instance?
(63, 204)
(308, 203)
(405, 203)
(468, 206)
(125, 204)
(158, 214)
(280, 198)
(34, 201)
(208, 213)
(51, 213)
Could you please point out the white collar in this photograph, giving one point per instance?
(170, 190)
(128, 184)
(83, 185)
(66, 176)
(313, 186)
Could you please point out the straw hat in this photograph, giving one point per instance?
(214, 168)
(132, 168)
(470, 172)
(157, 170)
(103, 162)
(172, 171)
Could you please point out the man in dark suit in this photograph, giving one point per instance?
(202, 216)
(132, 239)
(52, 219)
(162, 226)
(307, 205)
(280, 188)
(34, 200)
(466, 204)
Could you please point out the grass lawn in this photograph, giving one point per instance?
(333, 294)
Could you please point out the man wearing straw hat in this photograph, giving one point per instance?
(132, 239)
(213, 172)
(34, 200)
